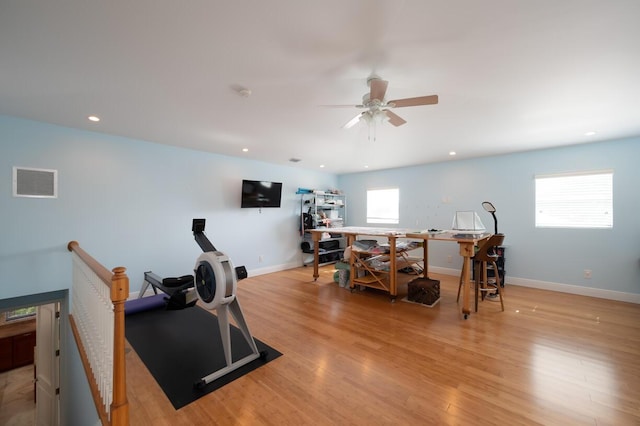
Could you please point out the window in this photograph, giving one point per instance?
(21, 313)
(382, 205)
(577, 200)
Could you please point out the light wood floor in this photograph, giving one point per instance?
(17, 405)
(356, 358)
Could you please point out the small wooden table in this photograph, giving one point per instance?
(467, 245)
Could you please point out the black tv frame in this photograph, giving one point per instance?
(270, 198)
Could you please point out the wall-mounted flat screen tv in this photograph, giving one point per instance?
(260, 193)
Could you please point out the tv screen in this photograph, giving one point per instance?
(256, 193)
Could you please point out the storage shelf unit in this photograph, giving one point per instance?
(368, 272)
(322, 210)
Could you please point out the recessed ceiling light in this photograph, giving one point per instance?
(93, 118)
(245, 149)
(321, 165)
(366, 167)
(452, 153)
(591, 133)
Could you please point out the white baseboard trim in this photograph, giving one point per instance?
(559, 287)
(251, 273)
(135, 294)
(576, 289)
(274, 268)
(522, 282)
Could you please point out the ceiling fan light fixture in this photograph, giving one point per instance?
(378, 109)
(242, 91)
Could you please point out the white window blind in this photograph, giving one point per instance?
(382, 205)
(577, 200)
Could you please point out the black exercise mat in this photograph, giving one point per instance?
(180, 347)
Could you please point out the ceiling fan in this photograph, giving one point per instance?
(378, 108)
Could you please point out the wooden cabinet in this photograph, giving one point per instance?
(17, 351)
(6, 353)
(23, 346)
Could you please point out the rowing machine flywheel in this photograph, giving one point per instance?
(215, 279)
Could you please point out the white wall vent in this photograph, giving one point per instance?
(36, 183)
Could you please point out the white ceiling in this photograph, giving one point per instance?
(511, 75)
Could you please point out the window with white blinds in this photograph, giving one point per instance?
(382, 205)
(576, 200)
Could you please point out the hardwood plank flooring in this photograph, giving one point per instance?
(17, 405)
(356, 358)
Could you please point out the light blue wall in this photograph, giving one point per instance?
(430, 195)
(130, 203)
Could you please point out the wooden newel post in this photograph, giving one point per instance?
(72, 245)
(119, 294)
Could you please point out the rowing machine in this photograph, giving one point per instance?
(180, 290)
(216, 282)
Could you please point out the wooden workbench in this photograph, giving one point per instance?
(465, 242)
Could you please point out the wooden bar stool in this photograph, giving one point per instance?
(486, 254)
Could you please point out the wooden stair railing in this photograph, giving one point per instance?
(110, 293)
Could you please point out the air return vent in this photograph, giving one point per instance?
(36, 183)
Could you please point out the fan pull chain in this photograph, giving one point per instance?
(372, 123)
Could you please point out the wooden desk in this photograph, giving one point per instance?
(467, 251)
(466, 244)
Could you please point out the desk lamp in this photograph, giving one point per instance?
(491, 209)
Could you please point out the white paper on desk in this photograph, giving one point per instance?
(466, 232)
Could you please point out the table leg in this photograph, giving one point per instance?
(352, 266)
(316, 254)
(425, 258)
(393, 271)
(466, 251)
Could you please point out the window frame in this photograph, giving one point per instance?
(374, 217)
(13, 315)
(572, 199)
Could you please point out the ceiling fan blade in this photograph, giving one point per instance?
(420, 100)
(343, 106)
(353, 121)
(378, 89)
(394, 118)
